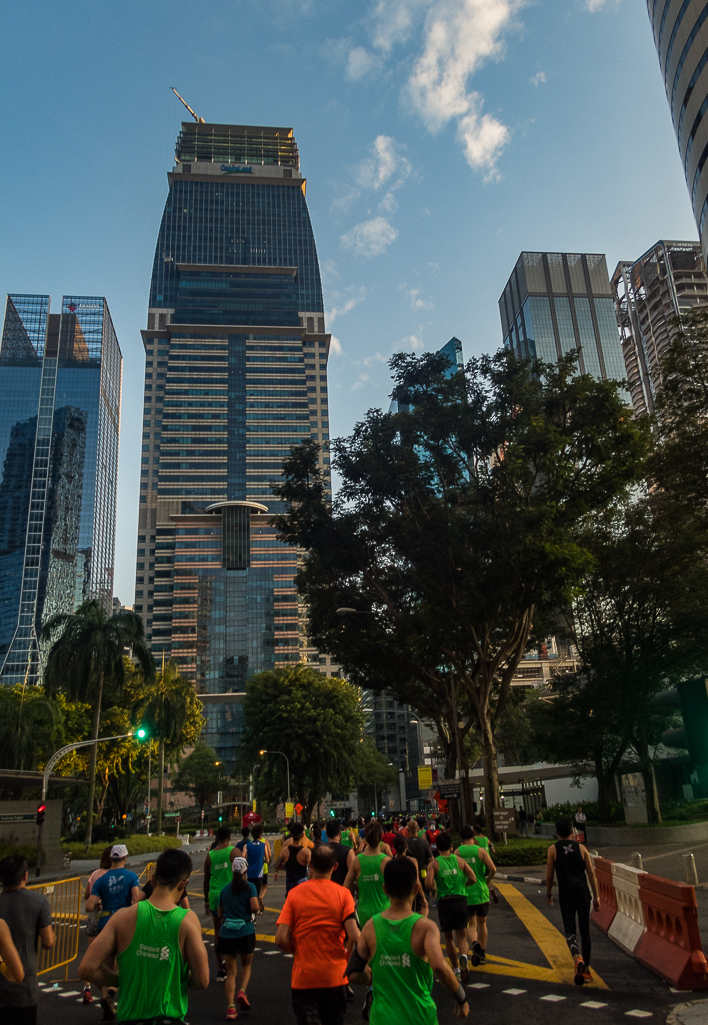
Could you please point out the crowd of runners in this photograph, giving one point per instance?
(360, 902)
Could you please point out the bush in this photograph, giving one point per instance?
(135, 845)
(521, 852)
(591, 808)
(27, 851)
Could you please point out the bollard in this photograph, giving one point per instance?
(635, 861)
(689, 865)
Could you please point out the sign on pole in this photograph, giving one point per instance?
(289, 809)
(298, 808)
(425, 777)
(505, 821)
(449, 788)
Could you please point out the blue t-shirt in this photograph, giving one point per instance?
(113, 889)
(238, 917)
(255, 855)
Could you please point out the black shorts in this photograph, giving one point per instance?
(452, 913)
(258, 883)
(478, 910)
(320, 1006)
(237, 945)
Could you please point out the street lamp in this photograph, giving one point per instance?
(287, 762)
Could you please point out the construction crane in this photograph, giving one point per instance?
(199, 120)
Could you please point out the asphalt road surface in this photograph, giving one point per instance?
(527, 980)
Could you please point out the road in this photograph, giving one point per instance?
(528, 978)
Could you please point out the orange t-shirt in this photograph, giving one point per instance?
(316, 912)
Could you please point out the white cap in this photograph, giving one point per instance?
(119, 850)
(239, 865)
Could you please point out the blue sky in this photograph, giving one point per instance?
(439, 138)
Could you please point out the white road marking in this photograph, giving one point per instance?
(595, 1004)
(514, 992)
(479, 985)
(638, 1014)
(70, 993)
(553, 998)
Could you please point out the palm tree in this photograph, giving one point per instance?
(165, 707)
(87, 648)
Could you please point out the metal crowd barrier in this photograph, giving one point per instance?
(65, 899)
(147, 871)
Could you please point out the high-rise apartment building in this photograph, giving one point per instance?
(556, 302)
(681, 36)
(236, 373)
(60, 387)
(650, 294)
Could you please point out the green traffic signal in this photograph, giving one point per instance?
(141, 734)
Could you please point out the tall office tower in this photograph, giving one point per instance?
(60, 385)
(555, 302)
(667, 281)
(236, 373)
(681, 36)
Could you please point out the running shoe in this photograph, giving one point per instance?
(350, 993)
(494, 895)
(231, 1013)
(242, 1001)
(368, 1001)
(482, 957)
(579, 978)
(464, 970)
(221, 975)
(587, 977)
(476, 955)
(87, 995)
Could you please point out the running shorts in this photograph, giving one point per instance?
(237, 945)
(258, 883)
(320, 1005)
(452, 913)
(478, 910)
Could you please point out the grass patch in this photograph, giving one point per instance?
(27, 851)
(135, 845)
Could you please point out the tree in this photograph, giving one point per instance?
(86, 651)
(371, 773)
(171, 711)
(315, 721)
(200, 774)
(456, 525)
(31, 727)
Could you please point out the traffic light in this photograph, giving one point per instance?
(41, 811)
(221, 818)
(331, 813)
(141, 733)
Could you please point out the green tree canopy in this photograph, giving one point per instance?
(200, 774)
(372, 774)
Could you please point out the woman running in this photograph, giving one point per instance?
(420, 904)
(238, 902)
(366, 873)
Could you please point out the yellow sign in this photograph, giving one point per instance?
(289, 809)
(254, 805)
(425, 777)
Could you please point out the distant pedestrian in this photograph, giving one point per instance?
(245, 835)
(29, 920)
(523, 821)
(238, 902)
(579, 822)
(573, 869)
(537, 820)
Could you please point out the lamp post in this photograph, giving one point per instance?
(287, 762)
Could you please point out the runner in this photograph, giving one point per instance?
(117, 888)
(148, 888)
(295, 858)
(572, 865)
(10, 961)
(217, 873)
(419, 847)
(404, 953)
(350, 836)
(431, 835)
(478, 893)
(366, 872)
(450, 873)
(483, 841)
(93, 918)
(345, 855)
(29, 920)
(245, 833)
(238, 902)
(313, 924)
(420, 902)
(258, 854)
(159, 949)
(388, 835)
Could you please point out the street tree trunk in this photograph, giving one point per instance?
(491, 769)
(92, 763)
(652, 795)
(160, 782)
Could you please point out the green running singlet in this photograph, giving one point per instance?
(152, 970)
(482, 841)
(450, 879)
(372, 898)
(476, 893)
(402, 981)
(221, 874)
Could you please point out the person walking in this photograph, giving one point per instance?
(294, 858)
(258, 855)
(115, 889)
(579, 822)
(404, 954)
(158, 946)
(345, 855)
(523, 821)
(366, 873)
(477, 894)
(238, 902)
(315, 919)
(93, 919)
(217, 873)
(450, 874)
(28, 918)
(573, 868)
(537, 820)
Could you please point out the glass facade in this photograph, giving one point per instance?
(235, 375)
(60, 386)
(556, 302)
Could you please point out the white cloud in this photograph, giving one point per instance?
(349, 299)
(361, 63)
(370, 238)
(538, 78)
(414, 342)
(362, 380)
(416, 302)
(384, 164)
(335, 346)
(369, 361)
(389, 204)
(393, 21)
(596, 5)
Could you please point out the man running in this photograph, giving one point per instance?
(257, 853)
(344, 854)
(217, 874)
(314, 921)
(294, 858)
(159, 948)
(573, 868)
(115, 889)
(451, 873)
(28, 918)
(403, 951)
(419, 847)
(478, 894)
(366, 872)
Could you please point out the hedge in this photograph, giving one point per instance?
(135, 845)
(521, 852)
(27, 851)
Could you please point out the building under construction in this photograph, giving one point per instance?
(650, 294)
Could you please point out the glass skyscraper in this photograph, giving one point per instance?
(60, 387)
(236, 373)
(555, 302)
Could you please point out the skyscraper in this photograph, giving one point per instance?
(668, 280)
(60, 385)
(555, 302)
(681, 36)
(236, 373)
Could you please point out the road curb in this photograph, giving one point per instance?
(693, 1013)
(519, 879)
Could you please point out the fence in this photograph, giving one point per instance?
(147, 872)
(65, 899)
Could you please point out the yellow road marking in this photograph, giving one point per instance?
(549, 940)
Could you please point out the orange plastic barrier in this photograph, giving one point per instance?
(671, 946)
(604, 918)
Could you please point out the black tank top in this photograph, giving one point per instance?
(570, 867)
(342, 852)
(294, 871)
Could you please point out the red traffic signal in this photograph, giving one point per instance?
(41, 810)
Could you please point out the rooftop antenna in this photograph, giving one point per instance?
(199, 120)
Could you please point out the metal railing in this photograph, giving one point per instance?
(65, 898)
(147, 871)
